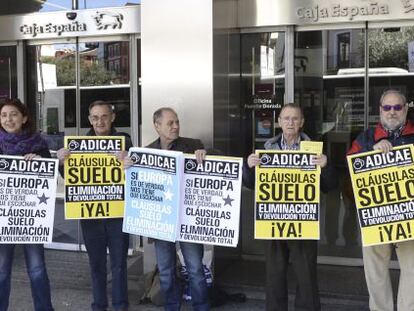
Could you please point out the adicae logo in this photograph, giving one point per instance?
(3, 164)
(135, 158)
(73, 145)
(265, 159)
(190, 165)
(359, 164)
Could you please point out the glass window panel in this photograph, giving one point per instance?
(104, 63)
(262, 90)
(8, 73)
(345, 51)
(390, 67)
(262, 85)
(70, 107)
(51, 84)
(329, 86)
(52, 103)
(104, 75)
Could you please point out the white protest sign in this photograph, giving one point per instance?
(152, 200)
(210, 208)
(27, 199)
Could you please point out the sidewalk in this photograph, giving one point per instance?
(71, 288)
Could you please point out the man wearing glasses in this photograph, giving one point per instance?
(302, 253)
(100, 234)
(392, 130)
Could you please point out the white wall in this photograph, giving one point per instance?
(177, 65)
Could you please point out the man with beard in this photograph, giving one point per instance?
(392, 130)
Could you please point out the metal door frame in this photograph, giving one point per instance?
(134, 96)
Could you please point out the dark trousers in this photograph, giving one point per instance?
(100, 234)
(193, 258)
(303, 256)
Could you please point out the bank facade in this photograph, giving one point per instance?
(227, 67)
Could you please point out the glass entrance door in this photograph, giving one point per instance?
(8, 72)
(105, 75)
(329, 86)
(339, 92)
(390, 67)
(50, 89)
(62, 80)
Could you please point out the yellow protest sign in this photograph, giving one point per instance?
(287, 196)
(94, 178)
(311, 146)
(383, 185)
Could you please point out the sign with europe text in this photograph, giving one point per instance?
(27, 199)
(383, 185)
(94, 177)
(210, 209)
(287, 196)
(153, 193)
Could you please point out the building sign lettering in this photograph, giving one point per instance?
(124, 20)
(318, 13)
(103, 21)
(35, 29)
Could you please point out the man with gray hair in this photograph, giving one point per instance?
(105, 233)
(392, 130)
(167, 126)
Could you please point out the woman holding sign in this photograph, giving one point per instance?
(18, 138)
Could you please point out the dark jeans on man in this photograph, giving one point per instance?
(303, 255)
(193, 258)
(100, 234)
(35, 264)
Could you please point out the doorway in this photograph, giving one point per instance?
(62, 79)
(8, 71)
(339, 90)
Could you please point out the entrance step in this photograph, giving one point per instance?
(338, 285)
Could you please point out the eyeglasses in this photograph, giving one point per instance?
(398, 107)
(95, 119)
(288, 119)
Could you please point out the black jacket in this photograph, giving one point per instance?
(183, 144)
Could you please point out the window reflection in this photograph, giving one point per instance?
(391, 67)
(104, 75)
(8, 73)
(345, 51)
(261, 97)
(329, 85)
(51, 86)
(104, 63)
(263, 85)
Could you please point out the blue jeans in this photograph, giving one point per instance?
(166, 260)
(100, 234)
(35, 264)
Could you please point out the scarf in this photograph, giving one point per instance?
(21, 143)
(395, 134)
